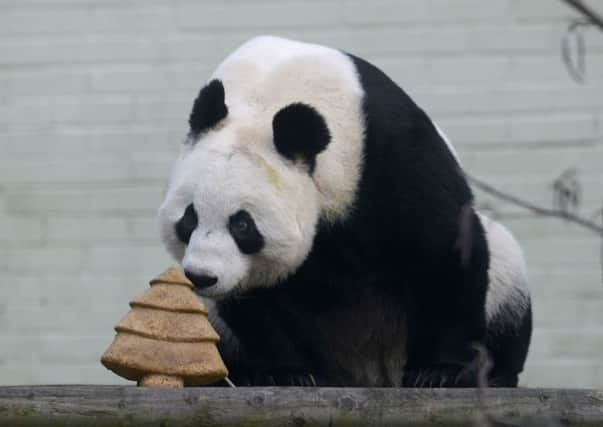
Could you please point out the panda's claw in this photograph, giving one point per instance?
(271, 382)
(443, 381)
(418, 381)
(441, 376)
(303, 380)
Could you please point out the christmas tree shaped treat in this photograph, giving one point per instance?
(166, 339)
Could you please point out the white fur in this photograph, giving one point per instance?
(235, 166)
(267, 73)
(508, 296)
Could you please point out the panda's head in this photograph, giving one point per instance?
(242, 206)
(275, 144)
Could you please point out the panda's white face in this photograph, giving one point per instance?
(237, 218)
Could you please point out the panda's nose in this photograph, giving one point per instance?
(201, 281)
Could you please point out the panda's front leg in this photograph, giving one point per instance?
(444, 360)
(447, 319)
(256, 346)
(445, 354)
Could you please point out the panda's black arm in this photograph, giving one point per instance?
(256, 344)
(447, 316)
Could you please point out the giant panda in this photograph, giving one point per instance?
(327, 223)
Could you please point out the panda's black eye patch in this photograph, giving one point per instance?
(187, 224)
(243, 230)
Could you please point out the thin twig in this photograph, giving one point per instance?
(593, 17)
(573, 46)
(601, 252)
(575, 62)
(568, 216)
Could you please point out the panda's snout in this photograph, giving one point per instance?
(201, 281)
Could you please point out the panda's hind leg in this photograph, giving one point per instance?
(508, 347)
(508, 309)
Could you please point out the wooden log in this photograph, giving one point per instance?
(94, 405)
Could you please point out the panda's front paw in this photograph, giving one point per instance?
(441, 376)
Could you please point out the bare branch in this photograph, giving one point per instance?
(573, 50)
(556, 213)
(592, 16)
(573, 46)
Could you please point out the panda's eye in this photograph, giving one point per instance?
(187, 224)
(244, 232)
(240, 226)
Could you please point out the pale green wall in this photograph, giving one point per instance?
(94, 97)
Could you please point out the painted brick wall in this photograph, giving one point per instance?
(93, 103)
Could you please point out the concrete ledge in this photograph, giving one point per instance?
(70, 405)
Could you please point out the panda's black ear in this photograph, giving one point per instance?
(209, 108)
(300, 133)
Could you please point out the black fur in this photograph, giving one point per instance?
(209, 108)
(413, 252)
(300, 133)
(508, 349)
(244, 232)
(187, 224)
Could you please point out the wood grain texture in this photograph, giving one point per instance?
(131, 406)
